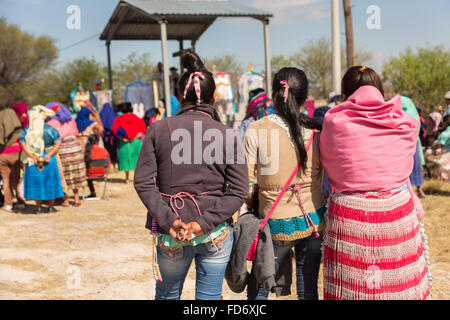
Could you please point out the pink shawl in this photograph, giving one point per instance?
(65, 129)
(367, 144)
(309, 106)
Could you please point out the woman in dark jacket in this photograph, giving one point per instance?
(192, 176)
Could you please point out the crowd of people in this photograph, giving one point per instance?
(342, 203)
(311, 185)
(49, 154)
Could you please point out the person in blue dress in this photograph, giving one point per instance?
(41, 142)
(416, 176)
(319, 115)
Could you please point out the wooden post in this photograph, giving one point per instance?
(349, 33)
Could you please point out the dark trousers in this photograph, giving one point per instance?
(91, 186)
(307, 260)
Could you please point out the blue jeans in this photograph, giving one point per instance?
(307, 258)
(209, 265)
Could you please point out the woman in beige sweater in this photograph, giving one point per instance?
(274, 145)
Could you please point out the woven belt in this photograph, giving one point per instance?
(296, 188)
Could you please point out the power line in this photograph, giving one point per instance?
(80, 42)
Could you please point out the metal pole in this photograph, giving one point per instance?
(267, 57)
(336, 43)
(163, 24)
(193, 45)
(181, 49)
(108, 53)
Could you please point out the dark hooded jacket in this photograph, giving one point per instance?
(223, 181)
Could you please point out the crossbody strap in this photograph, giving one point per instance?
(286, 186)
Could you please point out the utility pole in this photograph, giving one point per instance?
(163, 25)
(336, 44)
(267, 59)
(349, 33)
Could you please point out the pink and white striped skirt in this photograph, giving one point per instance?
(374, 248)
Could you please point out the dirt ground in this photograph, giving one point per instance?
(101, 250)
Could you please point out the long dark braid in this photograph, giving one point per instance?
(290, 110)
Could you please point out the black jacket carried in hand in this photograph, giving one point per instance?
(263, 267)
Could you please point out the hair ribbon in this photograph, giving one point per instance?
(286, 89)
(197, 76)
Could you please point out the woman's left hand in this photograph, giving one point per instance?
(193, 228)
(47, 158)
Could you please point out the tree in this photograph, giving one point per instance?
(45, 88)
(82, 71)
(227, 63)
(22, 58)
(57, 83)
(315, 58)
(133, 67)
(278, 62)
(423, 75)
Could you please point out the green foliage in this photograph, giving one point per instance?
(132, 68)
(80, 71)
(28, 72)
(316, 59)
(22, 58)
(45, 88)
(278, 62)
(58, 83)
(226, 63)
(423, 75)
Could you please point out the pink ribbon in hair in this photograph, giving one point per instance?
(286, 89)
(197, 76)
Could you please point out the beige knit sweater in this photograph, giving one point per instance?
(271, 158)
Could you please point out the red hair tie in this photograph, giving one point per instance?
(55, 108)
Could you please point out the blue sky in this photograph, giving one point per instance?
(404, 23)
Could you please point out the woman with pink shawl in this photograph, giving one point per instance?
(374, 246)
(70, 153)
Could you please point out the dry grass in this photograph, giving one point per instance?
(107, 242)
